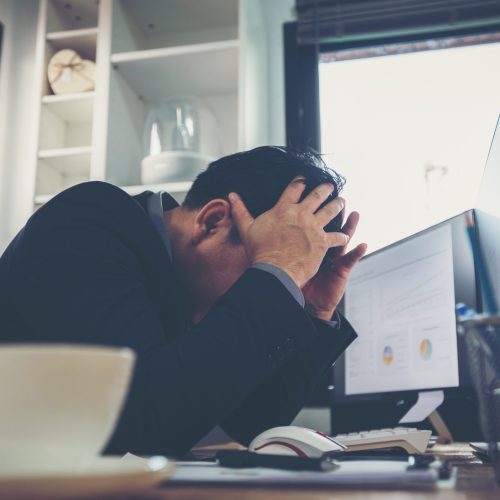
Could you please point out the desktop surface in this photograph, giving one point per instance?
(475, 480)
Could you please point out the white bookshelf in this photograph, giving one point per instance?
(154, 24)
(64, 148)
(71, 108)
(201, 69)
(59, 158)
(66, 121)
(85, 41)
(65, 15)
(145, 52)
(61, 168)
(176, 189)
(41, 199)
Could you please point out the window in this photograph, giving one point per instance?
(409, 125)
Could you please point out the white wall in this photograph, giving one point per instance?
(17, 130)
(276, 12)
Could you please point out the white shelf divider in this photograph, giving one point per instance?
(71, 108)
(54, 98)
(40, 199)
(68, 161)
(165, 52)
(198, 69)
(71, 14)
(72, 34)
(83, 41)
(169, 187)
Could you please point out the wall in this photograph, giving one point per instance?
(17, 131)
(276, 12)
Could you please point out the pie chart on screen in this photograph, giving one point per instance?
(387, 355)
(426, 349)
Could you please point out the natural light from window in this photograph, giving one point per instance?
(410, 131)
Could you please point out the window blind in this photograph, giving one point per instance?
(330, 21)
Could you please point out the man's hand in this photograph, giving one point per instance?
(324, 291)
(290, 235)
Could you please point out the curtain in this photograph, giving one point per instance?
(330, 21)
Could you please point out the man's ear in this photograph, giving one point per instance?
(213, 217)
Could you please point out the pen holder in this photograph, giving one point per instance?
(482, 341)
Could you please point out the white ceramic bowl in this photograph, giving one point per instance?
(173, 166)
(58, 405)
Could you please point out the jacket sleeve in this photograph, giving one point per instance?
(74, 280)
(282, 395)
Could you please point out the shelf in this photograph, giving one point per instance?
(59, 169)
(83, 41)
(68, 161)
(172, 188)
(147, 51)
(168, 23)
(169, 187)
(40, 199)
(83, 34)
(71, 14)
(201, 69)
(65, 123)
(71, 108)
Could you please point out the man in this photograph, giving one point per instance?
(226, 299)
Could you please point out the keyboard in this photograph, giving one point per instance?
(412, 440)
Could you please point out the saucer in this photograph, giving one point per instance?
(106, 476)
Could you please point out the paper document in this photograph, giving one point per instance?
(426, 403)
(386, 474)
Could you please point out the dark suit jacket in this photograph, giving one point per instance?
(89, 267)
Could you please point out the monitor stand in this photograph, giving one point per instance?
(460, 415)
(443, 433)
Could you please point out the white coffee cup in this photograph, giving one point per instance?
(59, 405)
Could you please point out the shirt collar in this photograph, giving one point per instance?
(157, 205)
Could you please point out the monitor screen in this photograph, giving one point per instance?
(488, 215)
(401, 302)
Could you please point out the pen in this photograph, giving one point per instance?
(243, 459)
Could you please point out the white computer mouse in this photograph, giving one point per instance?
(293, 440)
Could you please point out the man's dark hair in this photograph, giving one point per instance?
(260, 176)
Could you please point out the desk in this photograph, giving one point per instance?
(475, 482)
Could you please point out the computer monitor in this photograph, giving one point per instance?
(488, 229)
(401, 301)
(488, 215)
